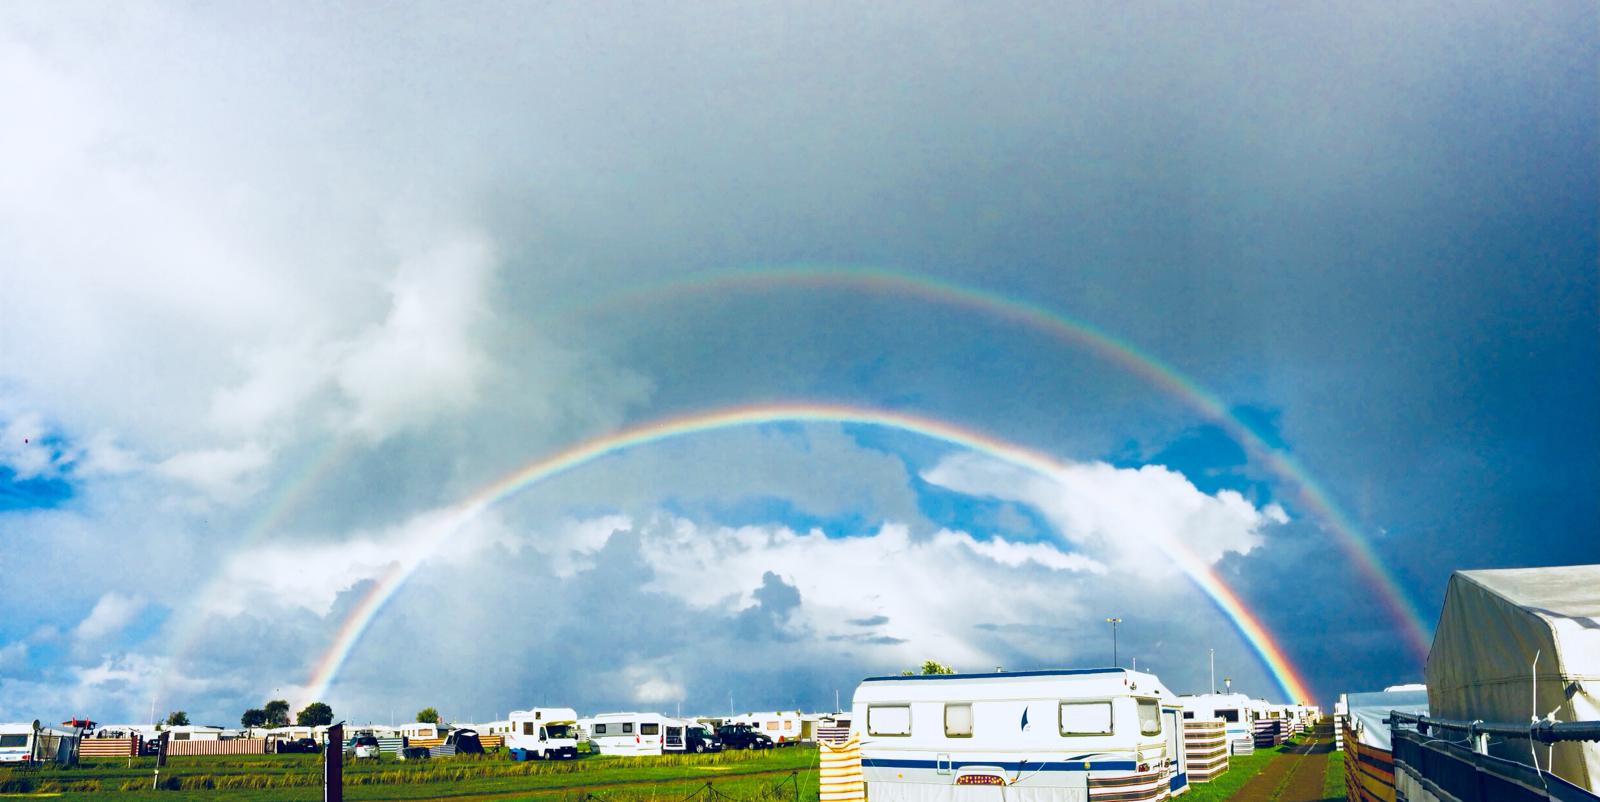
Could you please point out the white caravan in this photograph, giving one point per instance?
(1052, 736)
(543, 733)
(785, 729)
(31, 743)
(634, 733)
(1233, 709)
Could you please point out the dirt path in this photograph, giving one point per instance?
(1295, 775)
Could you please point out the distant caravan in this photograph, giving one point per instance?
(636, 734)
(1044, 736)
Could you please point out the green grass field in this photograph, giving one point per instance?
(781, 774)
(1333, 780)
(1240, 769)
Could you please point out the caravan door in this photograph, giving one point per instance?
(1177, 753)
(674, 741)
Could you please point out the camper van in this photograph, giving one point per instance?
(635, 733)
(1060, 735)
(1233, 709)
(543, 733)
(785, 729)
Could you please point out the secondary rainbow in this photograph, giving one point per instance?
(1311, 494)
(384, 588)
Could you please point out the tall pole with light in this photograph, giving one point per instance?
(1213, 670)
(1114, 622)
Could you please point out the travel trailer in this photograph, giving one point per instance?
(1056, 736)
(785, 729)
(1370, 774)
(634, 733)
(31, 743)
(1233, 709)
(1177, 749)
(543, 733)
(423, 731)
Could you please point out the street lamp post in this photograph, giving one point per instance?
(1213, 670)
(1114, 622)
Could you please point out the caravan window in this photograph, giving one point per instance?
(1086, 718)
(888, 720)
(958, 721)
(627, 728)
(13, 740)
(1228, 715)
(1188, 714)
(649, 728)
(599, 729)
(1149, 717)
(527, 728)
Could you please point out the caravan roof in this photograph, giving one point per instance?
(1012, 684)
(1369, 710)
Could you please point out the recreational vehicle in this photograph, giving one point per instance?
(1233, 709)
(31, 743)
(634, 733)
(543, 733)
(1061, 736)
(785, 729)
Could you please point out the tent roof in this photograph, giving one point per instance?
(1559, 592)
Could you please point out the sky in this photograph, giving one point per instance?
(1097, 311)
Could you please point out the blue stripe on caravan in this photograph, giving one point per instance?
(1065, 672)
(1179, 781)
(1027, 765)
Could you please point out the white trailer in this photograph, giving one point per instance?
(1233, 709)
(634, 733)
(1051, 736)
(784, 728)
(33, 743)
(543, 733)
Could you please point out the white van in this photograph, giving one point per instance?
(543, 733)
(635, 733)
(1055, 735)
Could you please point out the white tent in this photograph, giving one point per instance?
(1482, 662)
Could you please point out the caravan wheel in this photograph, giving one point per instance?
(700, 747)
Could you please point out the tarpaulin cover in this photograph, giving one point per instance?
(1368, 711)
(1482, 663)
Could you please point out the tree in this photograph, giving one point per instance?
(428, 715)
(254, 717)
(936, 667)
(315, 714)
(177, 718)
(277, 712)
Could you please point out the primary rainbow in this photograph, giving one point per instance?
(361, 615)
(1315, 498)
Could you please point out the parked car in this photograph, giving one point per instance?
(364, 746)
(743, 736)
(296, 746)
(701, 739)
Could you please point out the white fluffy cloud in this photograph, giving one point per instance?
(1130, 517)
(110, 615)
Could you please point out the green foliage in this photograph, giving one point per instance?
(936, 667)
(315, 714)
(254, 717)
(277, 713)
(177, 718)
(428, 715)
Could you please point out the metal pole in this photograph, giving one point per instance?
(1114, 622)
(1213, 670)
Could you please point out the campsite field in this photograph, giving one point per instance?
(777, 775)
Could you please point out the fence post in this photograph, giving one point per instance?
(333, 765)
